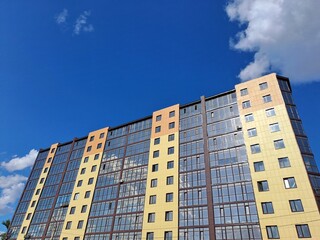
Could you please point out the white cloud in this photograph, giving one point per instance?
(62, 16)
(17, 163)
(11, 188)
(81, 24)
(284, 35)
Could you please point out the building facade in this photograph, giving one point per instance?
(236, 165)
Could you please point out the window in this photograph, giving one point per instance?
(171, 125)
(38, 191)
(101, 135)
(279, 144)
(249, 117)
(172, 114)
(68, 226)
(96, 157)
(244, 91)
(65, 238)
(267, 98)
(45, 170)
(267, 207)
(156, 141)
(284, 162)
(169, 197)
(272, 232)
(76, 196)
(158, 129)
(263, 186)
(303, 231)
(158, 118)
(24, 229)
(168, 235)
(33, 203)
(155, 154)
(80, 224)
(170, 137)
(154, 182)
(255, 148)
(99, 145)
(93, 168)
(169, 216)
(89, 148)
(52, 150)
(76, 238)
(86, 159)
(274, 127)
(29, 216)
(289, 182)
(151, 217)
(72, 210)
(84, 209)
(170, 164)
(153, 199)
(155, 167)
(270, 112)
(87, 194)
(79, 183)
(296, 205)
(91, 138)
(263, 85)
(170, 150)
(49, 160)
(258, 166)
(83, 171)
(170, 180)
(246, 104)
(41, 180)
(90, 181)
(252, 132)
(150, 236)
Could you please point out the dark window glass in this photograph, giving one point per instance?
(263, 186)
(289, 182)
(267, 207)
(272, 232)
(303, 231)
(296, 205)
(258, 166)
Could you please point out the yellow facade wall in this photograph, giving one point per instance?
(160, 226)
(96, 140)
(26, 222)
(283, 217)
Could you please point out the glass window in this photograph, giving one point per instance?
(171, 125)
(278, 144)
(168, 235)
(156, 141)
(169, 197)
(154, 182)
(76, 238)
(68, 226)
(263, 186)
(93, 168)
(153, 199)
(87, 194)
(296, 205)
(246, 104)
(284, 162)
(170, 150)
(41, 180)
(99, 145)
(169, 216)
(267, 207)
(155, 154)
(90, 181)
(83, 171)
(96, 157)
(84, 209)
(24, 229)
(38, 191)
(244, 91)
(89, 148)
(29, 216)
(258, 166)
(150, 236)
(86, 159)
(170, 164)
(274, 127)
(79, 184)
(303, 231)
(270, 112)
(76, 196)
(272, 232)
(91, 138)
(267, 98)
(151, 217)
(158, 129)
(263, 85)
(101, 135)
(289, 182)
(80, 224)
(252, 132)
(249, 117)
(155, 167)
(170, 137)
(172, 114)
(255, 148)
(170, 180)
(45, 170)
(158, 118)
(33, 203)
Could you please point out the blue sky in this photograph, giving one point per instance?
(71, 67)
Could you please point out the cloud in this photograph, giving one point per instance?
(62, 16)
(82, 25)
(11, 187)
(284, 36)
(17, 163)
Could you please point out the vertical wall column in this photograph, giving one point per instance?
(160, 220)
(82, 195)
(36, 194)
